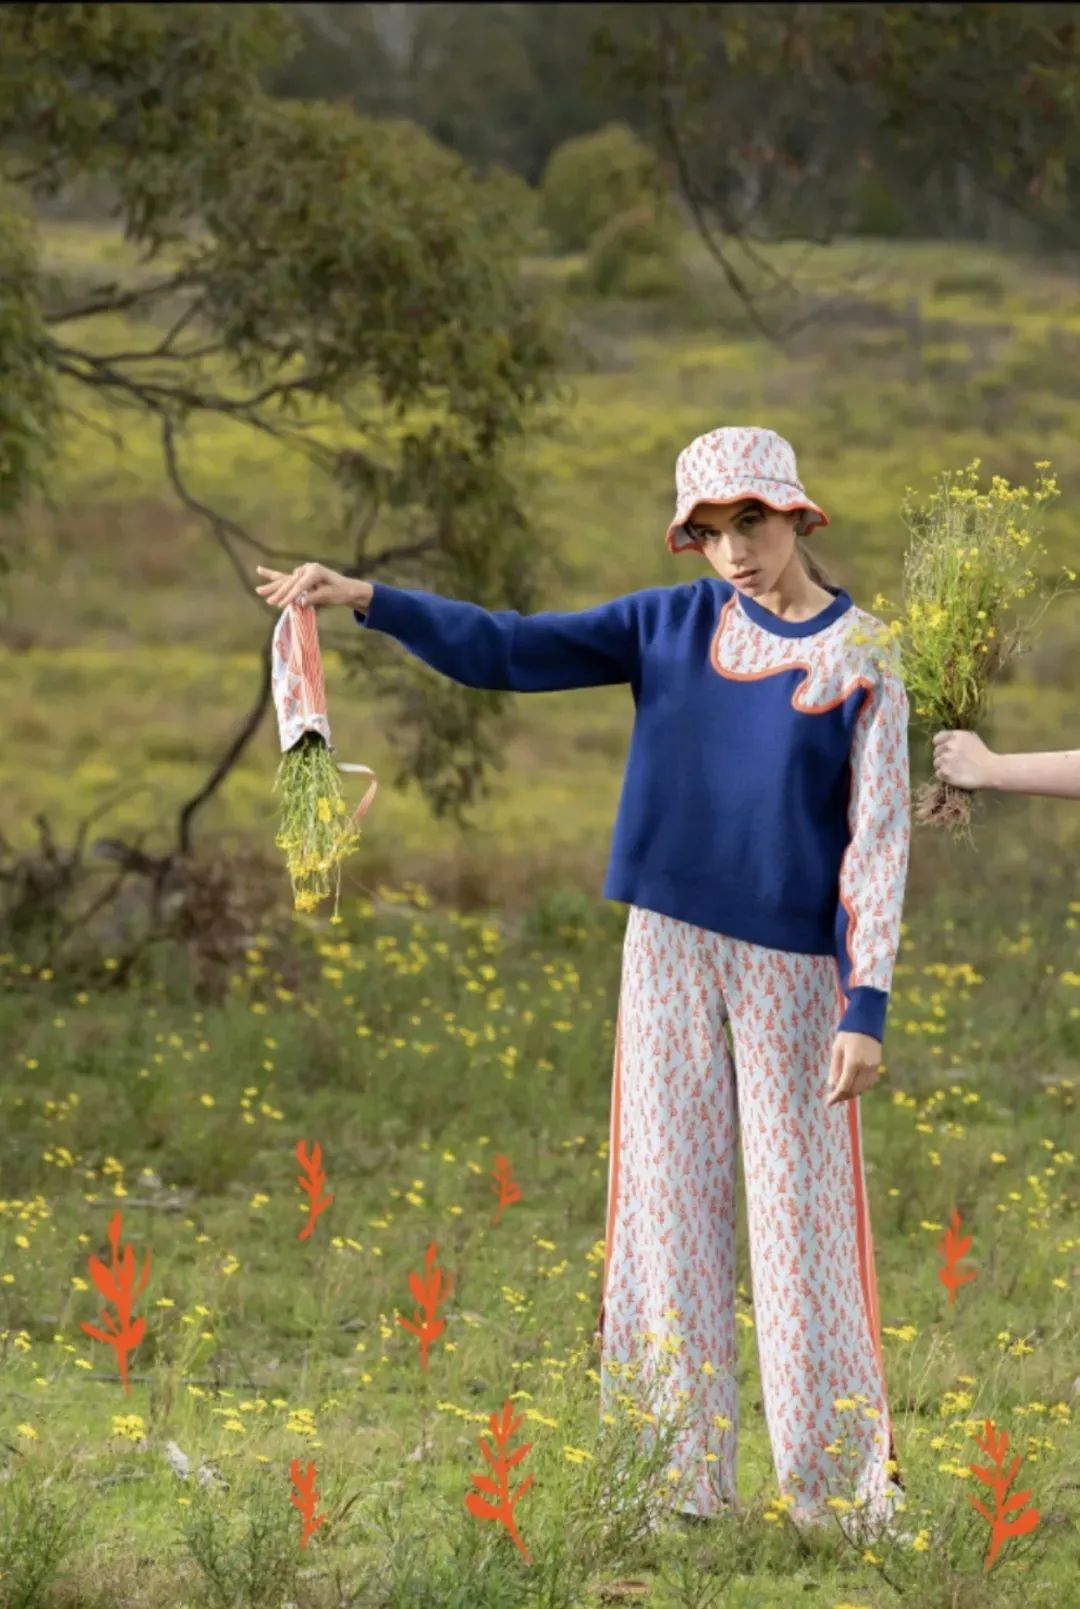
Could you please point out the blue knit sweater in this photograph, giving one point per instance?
(766, 791)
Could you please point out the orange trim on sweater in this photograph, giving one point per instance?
(798, 703)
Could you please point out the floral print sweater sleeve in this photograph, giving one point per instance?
(873, 872)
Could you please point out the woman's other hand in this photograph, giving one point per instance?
(963, 759)
(855, 1066)
(311, 584)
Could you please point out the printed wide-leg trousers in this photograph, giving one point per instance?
(679, 1105)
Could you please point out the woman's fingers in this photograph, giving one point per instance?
(273, 585)
(276, 593)
(281, 589)
(311, 582)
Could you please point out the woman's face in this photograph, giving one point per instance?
(740, 536)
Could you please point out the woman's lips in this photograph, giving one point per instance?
(745, 575)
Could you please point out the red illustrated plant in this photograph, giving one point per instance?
(503, 1510)
(508, 1187)
(117, 1285)
(306, 1499)
(1000, 1527)
(953, 1248)
(428, 1327)
(311, 1182)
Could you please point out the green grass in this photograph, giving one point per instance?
(416, 1043)
(416, 1046)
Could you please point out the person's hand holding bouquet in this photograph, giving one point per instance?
(963, 760)
(967, 566)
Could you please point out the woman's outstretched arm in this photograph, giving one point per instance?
(963, 759)
(491, 648)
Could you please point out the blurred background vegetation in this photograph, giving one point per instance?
(437, 293)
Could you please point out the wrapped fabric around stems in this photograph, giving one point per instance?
(299, 690)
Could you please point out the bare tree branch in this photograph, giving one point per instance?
(393, 555)
(152, 392)
(113, 437)
(247, 731)
(165, 347)
(158, 397)
(669, 127)
(191, 311)
(223, 527)
(191, 355)
(107, 300)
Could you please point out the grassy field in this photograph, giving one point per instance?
(129, 602)
(464, 1011)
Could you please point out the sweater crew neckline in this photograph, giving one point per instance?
(794, 628)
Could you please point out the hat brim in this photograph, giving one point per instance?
(677, 530)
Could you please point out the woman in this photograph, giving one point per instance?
(762, 848)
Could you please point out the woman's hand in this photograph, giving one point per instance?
(855, 1065)
(311, 584)
(963, 759)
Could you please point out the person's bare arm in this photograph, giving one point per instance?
(962, 759)
(1056, 773)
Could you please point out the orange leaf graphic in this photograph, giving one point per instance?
(1001, 1528)
(503, 1511)
(953, 1248)
(117, 1286)
(311, 1182)
(306, 1499)
(103, 1279)
(427, 1294)
(508, 1187)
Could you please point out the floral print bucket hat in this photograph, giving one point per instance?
(734, 462)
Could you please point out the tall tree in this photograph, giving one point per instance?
(340, 54)
(293, 256)
(772, 117)
(498, 83)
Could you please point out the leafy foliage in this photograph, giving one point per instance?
(592, 179)
(295, 256)
(501, 84)
(28, 394)
(777, 118)
(636, 253)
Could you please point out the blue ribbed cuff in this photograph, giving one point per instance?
(381, 595)
(865, 1013)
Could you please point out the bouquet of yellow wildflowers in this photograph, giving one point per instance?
(965, 567)
(316, 831)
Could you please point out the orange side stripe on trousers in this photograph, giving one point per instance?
(613, 1164)
(864, 1236)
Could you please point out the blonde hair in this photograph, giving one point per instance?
(811, 565)
(814, 570)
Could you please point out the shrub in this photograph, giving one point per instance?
(635, 254)
(875, 210)
(591, 179)
(514, 207)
